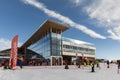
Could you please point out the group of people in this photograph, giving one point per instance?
(91, 64)
(85, 62)
(118, 65)
(37, 62)
(79, 62)
(6, 64)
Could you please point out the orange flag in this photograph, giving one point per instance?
(14, 52)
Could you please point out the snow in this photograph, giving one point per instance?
(59, 73)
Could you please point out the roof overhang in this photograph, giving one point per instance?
(44, 29)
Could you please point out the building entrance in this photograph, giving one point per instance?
(56, 60)
(67, 59)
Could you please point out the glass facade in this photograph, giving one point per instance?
(49, 45)
(56, 42)
(42, 46)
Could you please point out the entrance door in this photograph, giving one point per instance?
(67, 59)
(56, 60)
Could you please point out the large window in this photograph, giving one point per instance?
(55, 44)
(49, 45)
(76, 49)
(42, 46)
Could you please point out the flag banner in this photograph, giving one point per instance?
(82, 58)
(76, 55)
(14, 52)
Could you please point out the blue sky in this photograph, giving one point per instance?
(92, 21)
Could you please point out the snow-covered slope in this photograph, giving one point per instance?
(59, 73)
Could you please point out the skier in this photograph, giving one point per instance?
(118, 66)
(66, 65)
(98, 65)
(108, 64)
(92, 66)
(20, 62)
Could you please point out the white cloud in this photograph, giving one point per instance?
(77, 2)
(114, 33)
(104, 10)
(6, 44)
(107, 13)
(62, 18)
